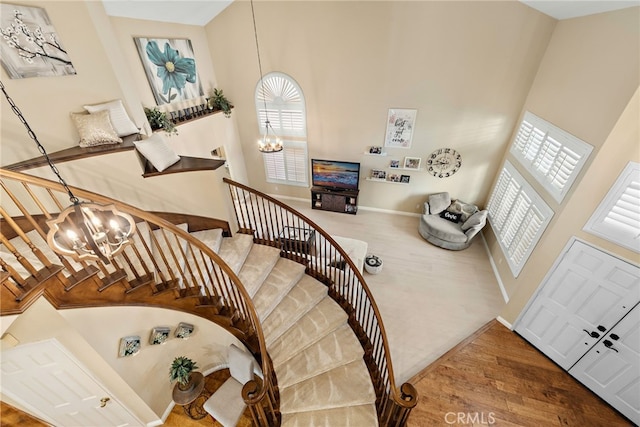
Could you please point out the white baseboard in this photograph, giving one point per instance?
(494, 267)
(504, 322)
(363, 208)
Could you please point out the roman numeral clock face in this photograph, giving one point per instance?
(444, 162)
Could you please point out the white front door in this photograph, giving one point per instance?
(49, 382)
(587, 293)
(611, 369)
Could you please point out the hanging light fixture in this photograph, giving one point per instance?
(270, 142)
(83, 230)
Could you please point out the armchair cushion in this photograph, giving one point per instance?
(438, 202)
(477, 218)
(240, 365)
(443, 229)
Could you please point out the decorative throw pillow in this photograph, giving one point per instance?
(95, 129)
(466, 209)
(120, 121)
(156, 150)
(439, 202)
(477, 218)
(450, 216)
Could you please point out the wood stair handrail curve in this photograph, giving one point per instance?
(404, 396)
(257, 396)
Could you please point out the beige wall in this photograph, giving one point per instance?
(41, 321)
(47, 102)
(465, 66)
(585, 85)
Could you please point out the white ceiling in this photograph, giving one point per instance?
(200, 12)
(192, 12)
(565, 9)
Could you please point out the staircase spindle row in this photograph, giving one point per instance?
(274, 224)
(163, 265)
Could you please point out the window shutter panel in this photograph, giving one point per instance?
(554, 157)
(274, 166)
(617, 218)
(518, 217)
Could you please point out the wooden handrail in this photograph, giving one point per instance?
(184, 265)
(266, 218)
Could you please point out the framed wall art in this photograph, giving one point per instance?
(400, 123)
(159, 335)
(30, 46)
(184, 330)
(129, 346)
(412, 163)
(170, 67)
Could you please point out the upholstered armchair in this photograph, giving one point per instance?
(226, 404)
(450, 224)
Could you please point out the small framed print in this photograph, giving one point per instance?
(129, 346)
(159, 335)
(394, 164)
(378, 174)
(375, 150)
(400, 123)
(184, 330)
(412, 163)
(405, 178)
(394, 177)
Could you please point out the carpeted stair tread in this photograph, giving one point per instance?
(234, 250)
(302, 298)
(257, 266)
(338, 348)
(321, 320)
(212, 238)
(284, 275)
(352, 416)
(346, 385)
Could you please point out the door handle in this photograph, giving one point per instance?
(103, 402)
(609, 345)
(592, 334)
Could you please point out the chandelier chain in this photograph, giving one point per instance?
(264, 98)
(41, 149)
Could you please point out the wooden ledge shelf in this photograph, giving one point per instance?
(75, 153)
(185, 164)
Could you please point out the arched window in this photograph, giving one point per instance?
(280, 99)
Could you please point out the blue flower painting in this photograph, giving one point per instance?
(170, 68)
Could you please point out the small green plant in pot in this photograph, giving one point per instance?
(218, 101)
(159, 120)
(180, 371)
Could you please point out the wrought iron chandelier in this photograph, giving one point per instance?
(270, 142)
(82, 230)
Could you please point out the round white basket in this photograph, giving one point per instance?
(372, 264)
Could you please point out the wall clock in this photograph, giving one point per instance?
(444, 162)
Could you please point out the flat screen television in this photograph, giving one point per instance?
(334, 174)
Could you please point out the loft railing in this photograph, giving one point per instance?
(276, 224)
(163, 266)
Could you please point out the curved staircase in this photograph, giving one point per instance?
(317, 358)
(306, 315)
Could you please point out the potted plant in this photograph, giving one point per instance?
(180, 371)
(218, 101)
(159, 120)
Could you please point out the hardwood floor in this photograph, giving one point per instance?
(497, 378)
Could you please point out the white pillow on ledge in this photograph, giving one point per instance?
(157, 151)
(119, 118)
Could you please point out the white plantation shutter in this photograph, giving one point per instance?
(288, 166)
(285, 105)
(285, 109)
(553, 156)
(518, 216)
(617, 219)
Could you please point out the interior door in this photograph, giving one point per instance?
(49, 382)
(584, 296)
(611, 369)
